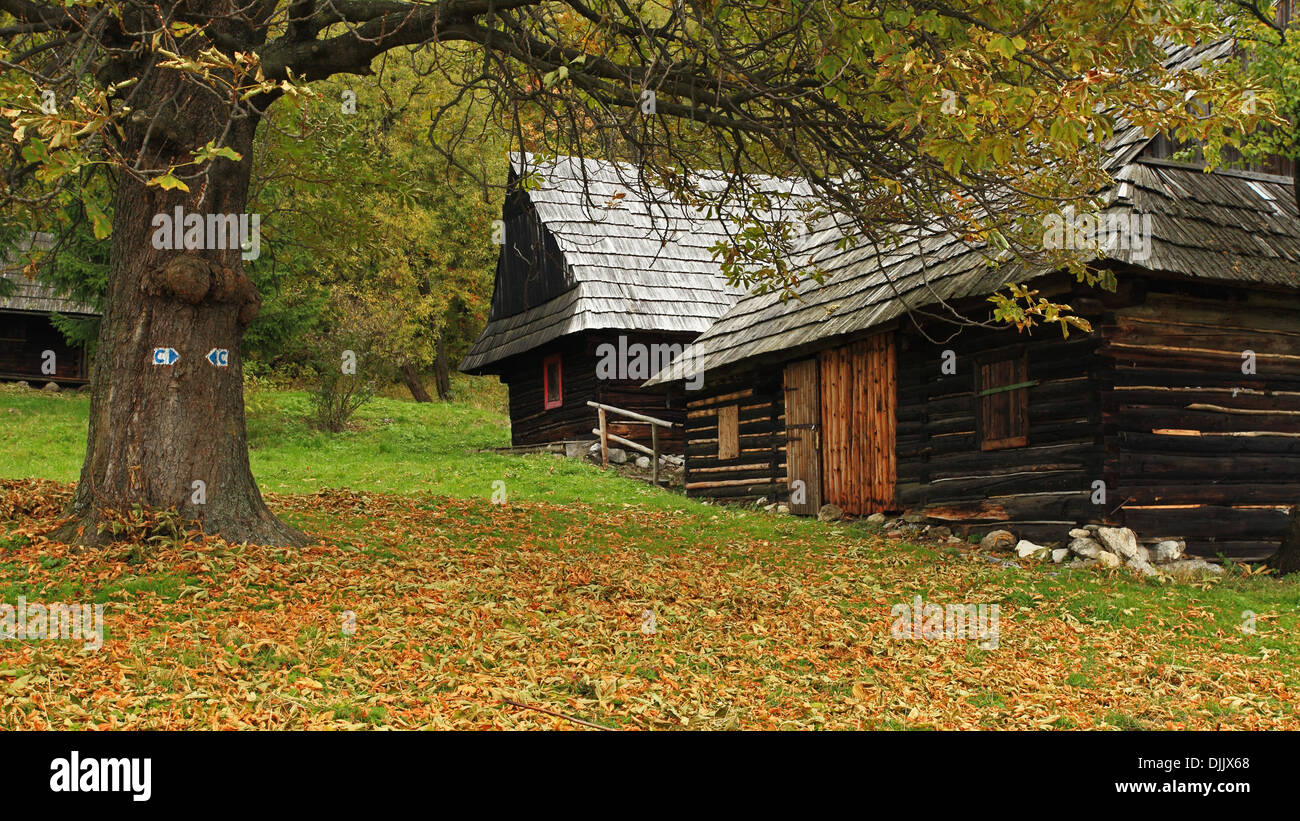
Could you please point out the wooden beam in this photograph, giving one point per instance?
(603, 432)
(625, 442)
(630, 414)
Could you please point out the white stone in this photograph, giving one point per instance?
(576, 450)
(1026, 549)
(1059, 554)
(830, 513)
(1080, 533)
(1168, 550)
(1191, 568)
(1085, 547)
(1119, 540)
(1108, 559)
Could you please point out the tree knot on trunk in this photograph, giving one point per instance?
(192, 279)
(185, 277)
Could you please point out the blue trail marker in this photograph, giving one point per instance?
(165, 356)
(219, 357)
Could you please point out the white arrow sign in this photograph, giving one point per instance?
(165, 356)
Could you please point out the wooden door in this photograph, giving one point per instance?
(803, 436)
(858, 406)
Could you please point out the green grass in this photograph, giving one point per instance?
(393, 446)
(42, 435)
(732, 588)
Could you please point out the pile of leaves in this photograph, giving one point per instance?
(430, 612)
(32, 499)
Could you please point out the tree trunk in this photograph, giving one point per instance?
(1287, 558)
(414, 381)
(442, 370)
(172, 435)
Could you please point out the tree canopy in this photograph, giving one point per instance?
(975, 117)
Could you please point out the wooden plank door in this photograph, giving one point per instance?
(880, 421)
(859, 402)
(803, 435)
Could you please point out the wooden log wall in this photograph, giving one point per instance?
(23, 340)
(858, 390)
(1195, 447)
(758, 471)
(531, 424)
(1039, 488)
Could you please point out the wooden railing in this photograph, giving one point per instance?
(606, 436)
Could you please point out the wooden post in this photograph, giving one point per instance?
(654, 445)
(604, 439)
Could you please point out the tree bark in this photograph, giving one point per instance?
(415, 382)
(157, 431)
(442, 370)
(1287, 558)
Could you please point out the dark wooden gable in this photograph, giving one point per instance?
(530, 268)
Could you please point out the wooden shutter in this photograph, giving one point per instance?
(1002, 401)
(728, 431)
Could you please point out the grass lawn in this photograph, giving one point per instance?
(461, 606)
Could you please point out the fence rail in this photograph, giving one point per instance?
(602, 430)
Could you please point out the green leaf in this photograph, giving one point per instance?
(1003, 45)
(210, 152)
(167, 182)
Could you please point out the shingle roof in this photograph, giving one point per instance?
(639, 262)
(1224, 225)
(30, 296)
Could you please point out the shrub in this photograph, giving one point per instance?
(352, 360)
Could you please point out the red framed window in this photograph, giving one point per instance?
(552, 382)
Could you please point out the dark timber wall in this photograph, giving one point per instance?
(532, 424)
(1195, 447)
(1040, 487)
(24, 337)
(1154, 404)
(758, 471)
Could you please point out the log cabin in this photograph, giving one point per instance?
(1178, 415)
(601, 280)
(28, 336)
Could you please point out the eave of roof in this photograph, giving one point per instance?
(1235, 227)
(639, 260)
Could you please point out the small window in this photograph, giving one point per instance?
(729, 432)
(552, 383)
(1002, 402)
